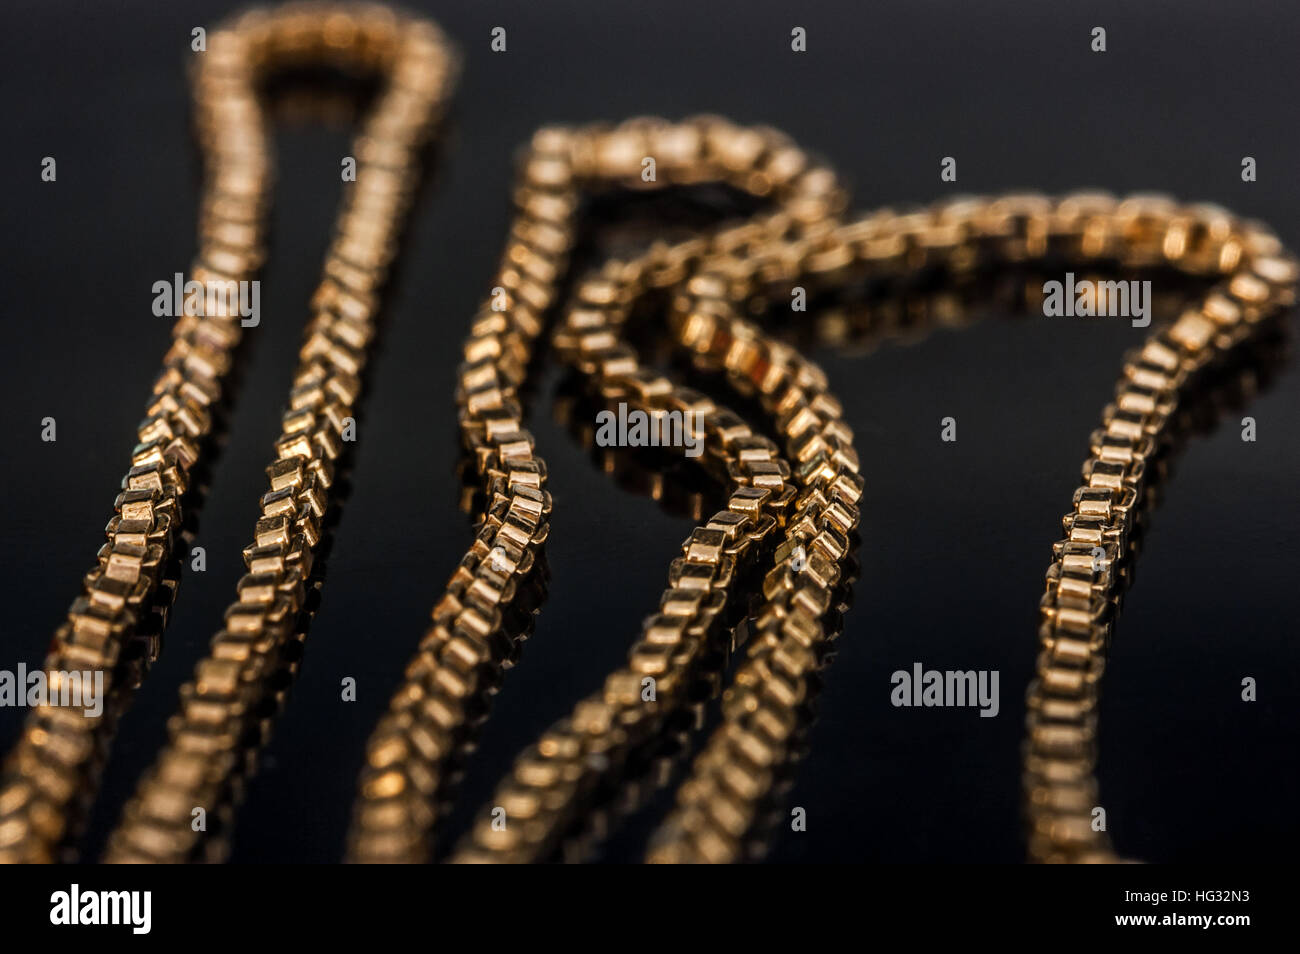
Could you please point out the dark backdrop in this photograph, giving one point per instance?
(955, 536)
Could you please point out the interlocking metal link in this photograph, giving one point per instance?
(226, 702)
(716, 806)
(721, 803)
(460, 658)
(53, 766)
(1090, 566)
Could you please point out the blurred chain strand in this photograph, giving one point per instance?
(51, 775)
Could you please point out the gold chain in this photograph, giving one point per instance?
(53, 767)
(414, 746)
(810, 501)
(769, 566)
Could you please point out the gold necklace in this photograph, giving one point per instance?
(772, 564)
(805, 501)
(52, 771)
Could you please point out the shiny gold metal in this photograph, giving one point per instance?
(768, 565)
(51, 773)
(802, 498)
(410, 752)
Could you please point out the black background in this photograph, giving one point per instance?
(955, 536)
